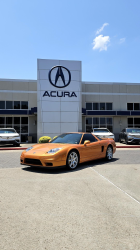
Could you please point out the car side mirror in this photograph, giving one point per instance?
(86, 142)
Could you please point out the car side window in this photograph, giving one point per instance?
(88, 137)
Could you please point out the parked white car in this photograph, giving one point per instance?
(9, 136)
(103, 133)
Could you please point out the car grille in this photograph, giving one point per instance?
(33, 162)
(7, 137)
(135, 136)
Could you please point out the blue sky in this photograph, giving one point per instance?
(103, 34)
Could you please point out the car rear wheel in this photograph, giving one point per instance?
(109, 153)
(72, 160)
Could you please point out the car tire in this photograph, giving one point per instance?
(126, 141)
(109, 153)
(72, 160)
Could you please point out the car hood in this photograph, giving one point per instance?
(8, 134)
(45, 147)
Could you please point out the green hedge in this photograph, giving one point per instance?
(44, 139)
(54, 137)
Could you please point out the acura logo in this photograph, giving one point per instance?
(60, 74)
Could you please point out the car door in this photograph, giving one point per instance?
(92, 150)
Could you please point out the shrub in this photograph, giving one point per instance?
(54, 137)
(44, 139)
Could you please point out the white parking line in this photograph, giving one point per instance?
(115, 185)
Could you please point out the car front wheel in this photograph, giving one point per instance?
(126, 141)
(109, 153)
(72, 160)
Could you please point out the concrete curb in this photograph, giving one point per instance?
(13, 148)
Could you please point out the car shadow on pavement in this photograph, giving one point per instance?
(63, 169)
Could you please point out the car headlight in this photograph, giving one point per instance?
(54, 150)
(130, 136)
(28, 149)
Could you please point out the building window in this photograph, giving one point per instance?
(2, 104)
(88, 106)
(13, 105)
(95, 106)
(99, 122)
(95, 122)
(130, 122)
(108, 106)
(16, 120)
(136, 106)
(102, 106)
(99, 106)
(133, 122)
(129, 106)
(16, 105)
(9, 105)
(2, 122)
(102, 122)
(133, 106)
(9, 121)
(24, 105)
(136, 122)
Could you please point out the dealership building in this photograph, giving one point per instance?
(59, 101)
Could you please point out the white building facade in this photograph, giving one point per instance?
(59, 101)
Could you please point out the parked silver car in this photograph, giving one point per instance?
(130, 135)
(9, 136)
(103, 133)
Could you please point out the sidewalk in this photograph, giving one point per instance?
(27, 145)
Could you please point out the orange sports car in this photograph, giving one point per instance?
(68, 149)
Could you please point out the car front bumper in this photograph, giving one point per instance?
(134, 140)
(14, 141)
(53, 160)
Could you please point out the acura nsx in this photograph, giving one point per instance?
(68, 149)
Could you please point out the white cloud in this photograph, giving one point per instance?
(101, 42)
(122, 40)
(100, 30)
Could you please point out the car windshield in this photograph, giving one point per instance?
(7, 131)
(103, 130)
(68, 139)
(133, 130)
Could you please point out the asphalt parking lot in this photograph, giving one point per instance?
(97, 206)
